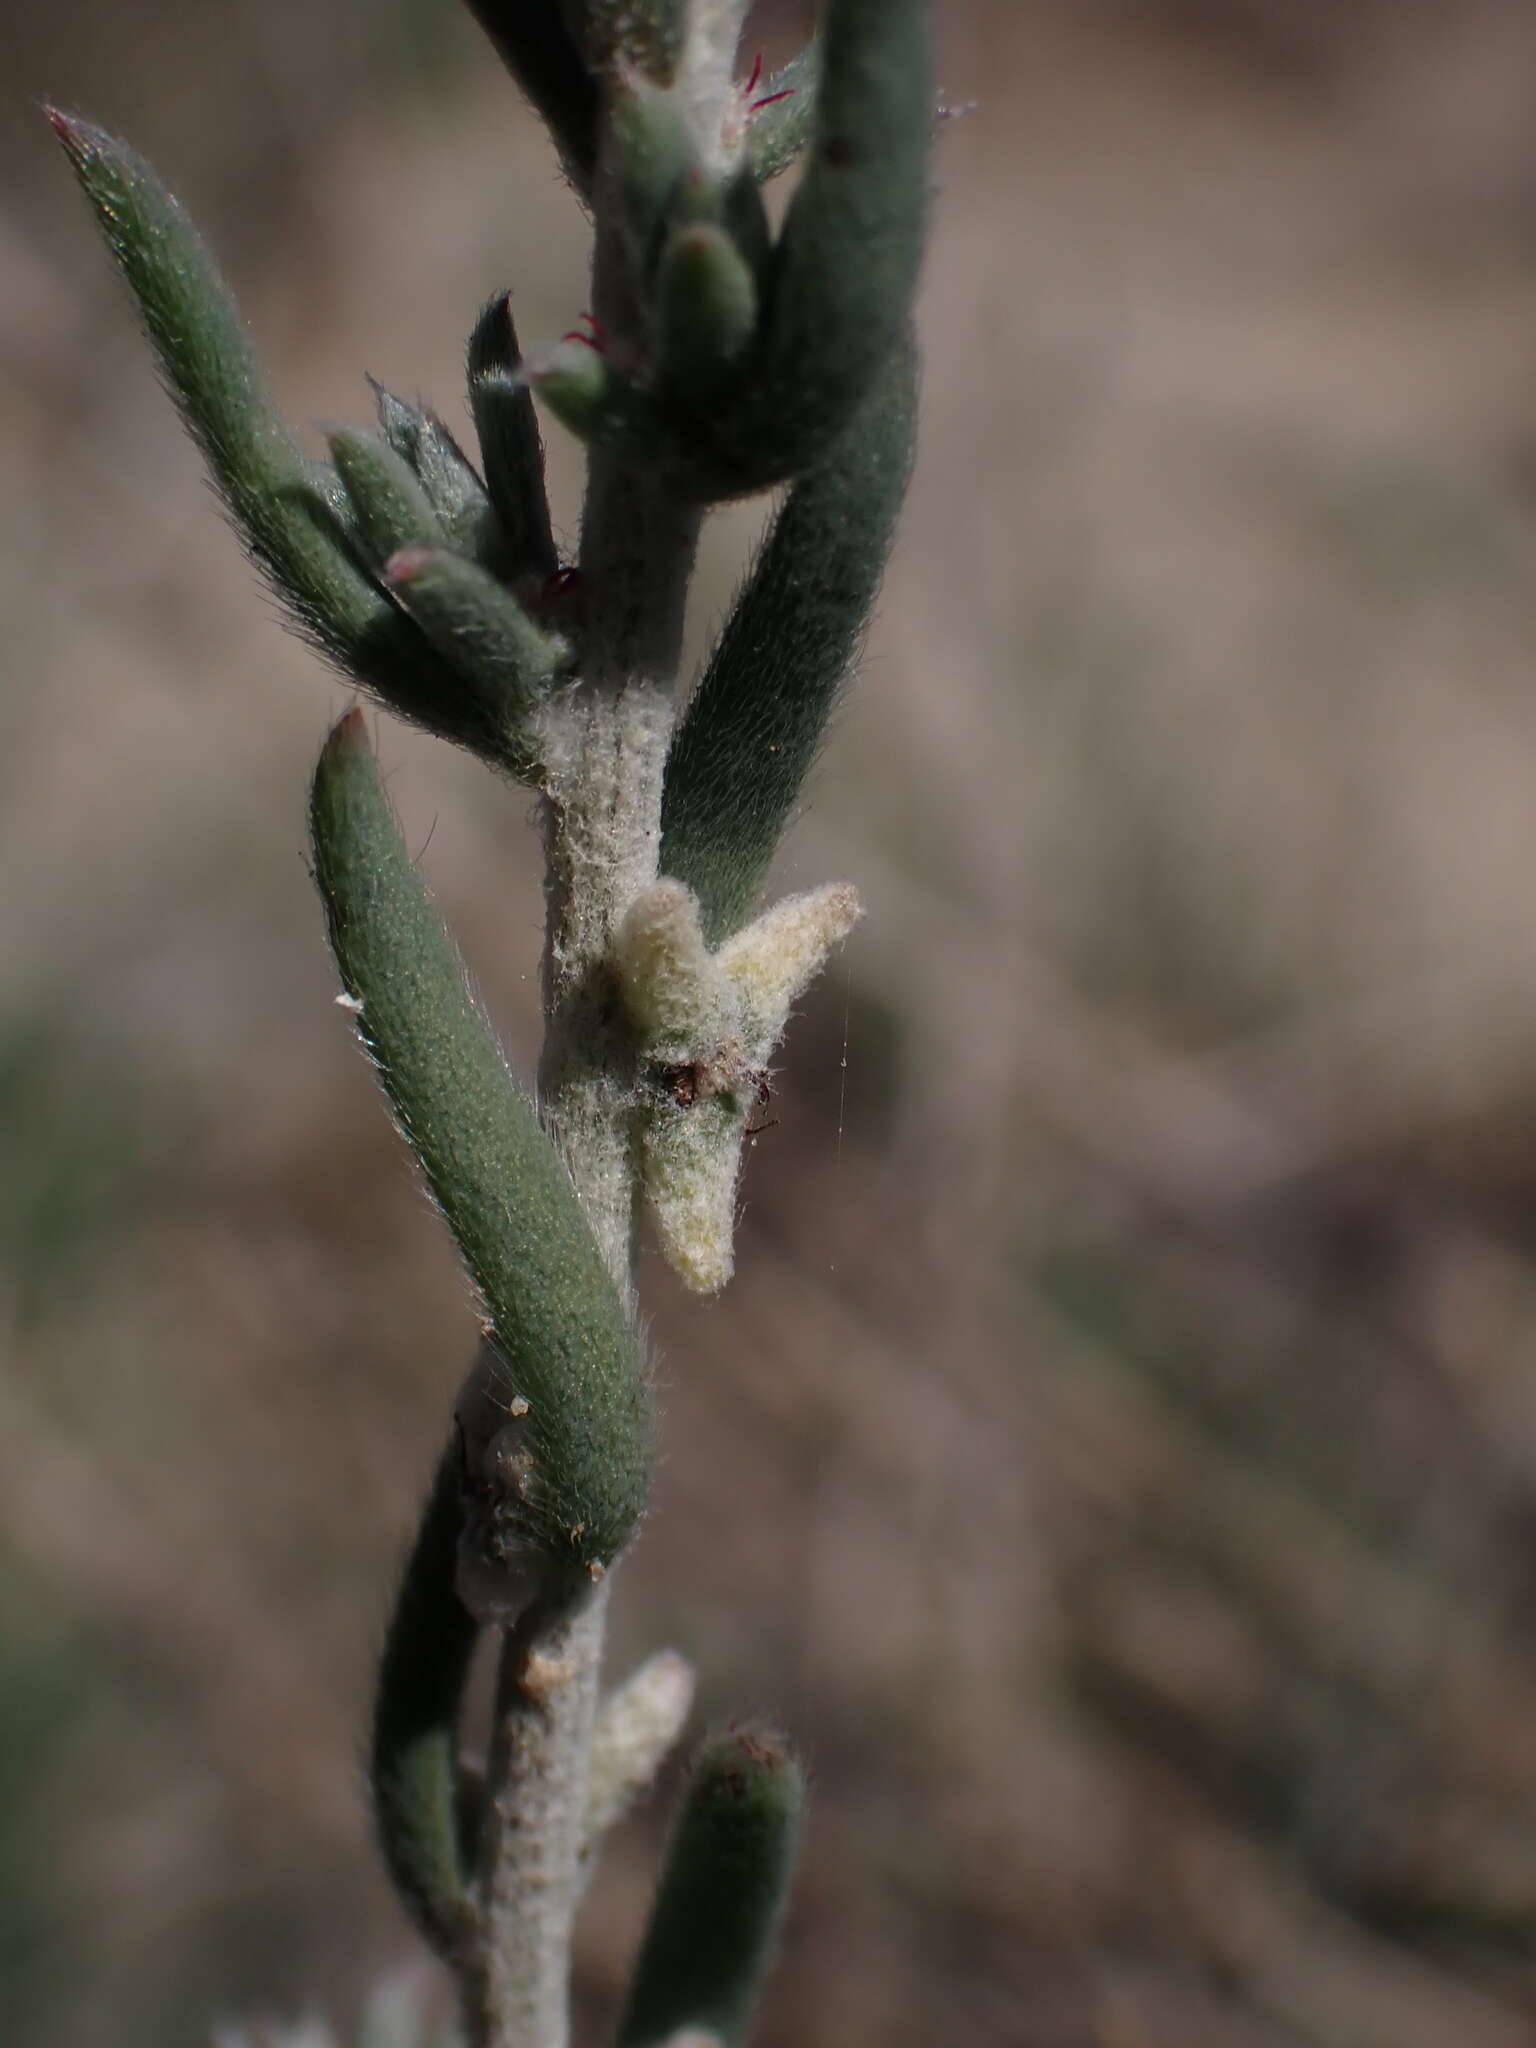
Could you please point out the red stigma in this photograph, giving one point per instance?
(590, 333)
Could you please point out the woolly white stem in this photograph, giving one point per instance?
(704, 78)
(604, 745)
(518, 1991)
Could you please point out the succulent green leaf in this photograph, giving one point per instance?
(293, 514)
(510, 447)
(414, 1760)
(706, 310)
(534, 42)
(852, 241)
(208, 365)
(390, 508)
(505, 659)
(846, 263)
(715, 1922)
(781, 125)
(755, 722)
(456, 492)
(574, 1369)
(399, 423)
(465, 517)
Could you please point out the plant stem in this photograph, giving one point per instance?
(602, 831)
(605, 748)
(605, 744)
(517, 1988)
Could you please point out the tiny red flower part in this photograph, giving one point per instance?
(590, 333)
(754, 79)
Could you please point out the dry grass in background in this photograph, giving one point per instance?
(1118, 1453)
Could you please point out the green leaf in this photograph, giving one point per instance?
(414, 1762)
(716, 1918)
(456, 492)
(846, 264)
(505, 659)
(569, 1350)
(755, 722)
(292, 514)
(391, 508)
(853, 239)
(212, 374)
(510, 447)
(465, 517)
(399, 423)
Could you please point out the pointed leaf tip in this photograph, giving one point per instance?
(351, 726)
(80, 138)
(347, 735)
(493, 344)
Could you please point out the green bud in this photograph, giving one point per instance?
(656, 158)
(580, 386)
(464, 516)
(706, 310)
(478, 626)
(391, 509)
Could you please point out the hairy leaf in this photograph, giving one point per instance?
(716, 1917)
(753, 725)
(570, 1354)
(414, 1755)
(510, 447)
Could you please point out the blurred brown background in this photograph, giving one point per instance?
(1117, 1455)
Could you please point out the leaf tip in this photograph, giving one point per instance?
(347, 735)
(78, 139)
